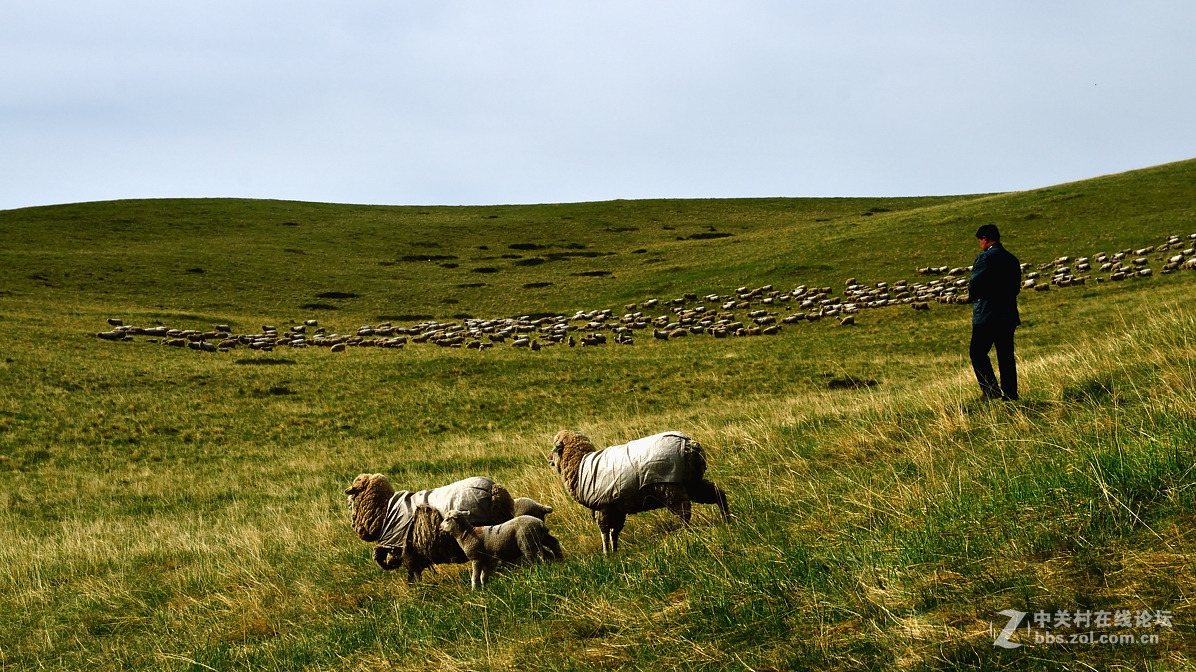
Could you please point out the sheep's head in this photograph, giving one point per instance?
(571, 439)
(363, 483)
(455, 521)
(368, 498)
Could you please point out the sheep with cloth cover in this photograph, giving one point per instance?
(658, 471)
(405, 526)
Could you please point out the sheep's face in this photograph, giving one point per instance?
(362, 483)
(554, 458)
(454, 521)
(359, 484)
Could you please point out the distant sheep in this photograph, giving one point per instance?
(663, 470)
(511, 541)
(405, 525)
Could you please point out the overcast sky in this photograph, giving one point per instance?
(446, 102)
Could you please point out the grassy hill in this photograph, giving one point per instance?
(163, 508)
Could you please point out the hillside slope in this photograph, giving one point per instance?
(169, 508)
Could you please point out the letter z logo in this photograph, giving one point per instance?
(1015, 619)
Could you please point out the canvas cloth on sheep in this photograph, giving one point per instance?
(471, 494)
(605, 476)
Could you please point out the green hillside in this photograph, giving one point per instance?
(172, 508)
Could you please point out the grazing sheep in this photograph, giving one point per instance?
(405, 533)
(510, 541)
(663, 470)
(525, 506)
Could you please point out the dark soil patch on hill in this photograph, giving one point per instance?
(337, 295)
(558, 256)
(265, 361)
(537, 285)
(428, 257)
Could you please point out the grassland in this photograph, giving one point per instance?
(177, 510)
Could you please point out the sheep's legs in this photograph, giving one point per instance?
(610, 541)
(553, 545)
(610, 523)
(476, 577)
(614, 539)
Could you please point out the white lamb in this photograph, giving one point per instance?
(512, 541)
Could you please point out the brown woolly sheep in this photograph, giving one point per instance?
(663, 470)
(406, 525)
(521, 537)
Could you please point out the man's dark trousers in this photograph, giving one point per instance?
(984, 337)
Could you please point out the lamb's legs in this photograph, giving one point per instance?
(553, 545)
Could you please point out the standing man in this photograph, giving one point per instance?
(996, 280)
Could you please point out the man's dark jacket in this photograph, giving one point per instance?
(996, 281)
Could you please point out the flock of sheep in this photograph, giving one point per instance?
(744, 312)
(476, 520)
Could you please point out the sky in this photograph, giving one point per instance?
(447, 102)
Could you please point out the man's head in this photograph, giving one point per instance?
(987, 235)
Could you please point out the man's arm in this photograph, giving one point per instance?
(980, 286)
